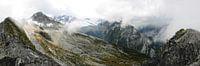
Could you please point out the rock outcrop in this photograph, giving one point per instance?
(182, 50)
(17, 50)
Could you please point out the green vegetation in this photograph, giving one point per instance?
(100, 53)
(45, 35)
(179, 33)
(54, 51)
(114, 57)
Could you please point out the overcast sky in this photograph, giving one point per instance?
(184, 13)
(81, 8)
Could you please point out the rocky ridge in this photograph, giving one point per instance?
(182, 50)
(17, 50)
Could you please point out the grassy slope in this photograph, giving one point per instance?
(95, 52)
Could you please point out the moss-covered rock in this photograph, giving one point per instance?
(11, 29)
(17, 50)
(179, 33)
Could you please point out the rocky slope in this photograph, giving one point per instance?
(74, 49)
(182, 50)
(118, 45)
(17, 50)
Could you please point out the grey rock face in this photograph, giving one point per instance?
(182, 50)
(125, 37)
(128, 37)
(17, 50)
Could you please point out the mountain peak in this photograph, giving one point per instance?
(39, 14)
(40, 17)
(182, 49)
(8, 19)
(45, 21)
(183, 32)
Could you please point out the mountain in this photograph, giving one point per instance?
(182, 49)
(45, 21)
(17, 50)
(125, 37)
(104, 43)
(128, 37)
(109, 43)
(72, 49)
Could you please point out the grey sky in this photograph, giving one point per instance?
(184, 13)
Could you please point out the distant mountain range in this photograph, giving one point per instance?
(44, 41)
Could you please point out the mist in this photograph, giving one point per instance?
(176, 14)
(184, 14)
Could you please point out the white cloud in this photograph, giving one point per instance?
(185, 13)
(81, 8)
